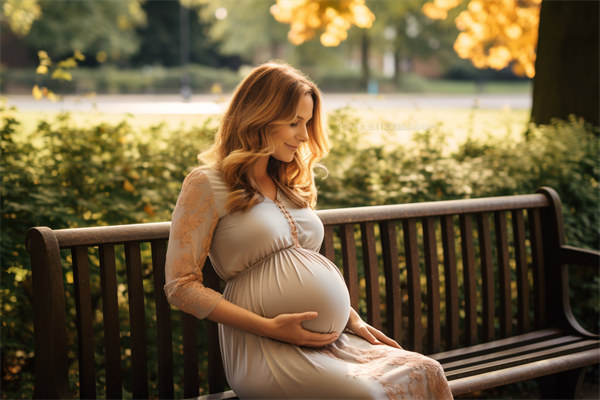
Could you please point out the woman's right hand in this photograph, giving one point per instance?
(284, 327)
(288, 328)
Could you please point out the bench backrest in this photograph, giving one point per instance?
(434, 276)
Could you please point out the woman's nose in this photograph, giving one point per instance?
(303, 134)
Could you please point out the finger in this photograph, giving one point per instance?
(320, 339)
(305, 316)
(386, 340)
(365, 332)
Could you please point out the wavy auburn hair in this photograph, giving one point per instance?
(264, 101)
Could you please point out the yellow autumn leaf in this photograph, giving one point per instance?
(216, 88)
(62, 75)
(67, 63)
(133, 174)
(494, 34)
(329, 19)
(36, 92)
(101, 57)
(41, 69)
(128, 186)
(149, 210)
(52, 96)
(78, 55)
(42, 54)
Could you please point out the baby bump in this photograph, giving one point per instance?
(294, 281)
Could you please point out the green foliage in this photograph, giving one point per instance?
(108, 79)
(69, 25)
(563, 155)
(66, 174)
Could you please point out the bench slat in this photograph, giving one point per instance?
(164, 335)
(433, 284)
(503, 274)
(523, 372)
(85, 328)
(389, 247)
(371, 265)
(451, 281)
(523, 319)
(349, 262)
(216, 374)
(566, 349)
(413, 279)
(137, 318)
(519, 349)
(191, 378)
(469, 278)
(487, 276)
(497, 345)
(110, 316)
(327, 248)
(537, 261)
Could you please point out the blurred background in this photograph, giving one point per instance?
(199, 46)
(105, 105)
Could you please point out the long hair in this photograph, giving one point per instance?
(265, 100)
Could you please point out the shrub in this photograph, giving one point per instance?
(65, 175)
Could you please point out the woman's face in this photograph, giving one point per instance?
(288, 138)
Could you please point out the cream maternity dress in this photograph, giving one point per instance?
(268, 256)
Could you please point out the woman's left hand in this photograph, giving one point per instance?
(367, 332)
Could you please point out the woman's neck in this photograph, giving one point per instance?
(264, 182)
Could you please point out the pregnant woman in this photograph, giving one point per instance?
(285, 323)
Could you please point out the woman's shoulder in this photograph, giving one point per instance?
(207, 174)
(213, 178)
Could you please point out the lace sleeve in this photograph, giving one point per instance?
(194, 220)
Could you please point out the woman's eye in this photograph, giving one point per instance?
(294, 124)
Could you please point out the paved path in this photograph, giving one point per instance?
(216, 104)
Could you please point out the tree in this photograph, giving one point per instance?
(330, 19)
(494, 34)
(567, 66)
(408, 33)
(20, 15)
(160, 38)
(243, 28)
(64, 26)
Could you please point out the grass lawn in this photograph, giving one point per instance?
(380, 125)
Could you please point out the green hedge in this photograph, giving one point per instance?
(112, 80)
(64, 174)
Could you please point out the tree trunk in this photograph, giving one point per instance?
(567, 64)
(364, 55)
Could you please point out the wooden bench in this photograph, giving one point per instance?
(479, 284)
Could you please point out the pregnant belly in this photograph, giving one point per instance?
(299, 280)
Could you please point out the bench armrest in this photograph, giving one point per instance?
(579, 256)
(575, 256)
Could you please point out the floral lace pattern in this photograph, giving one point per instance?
(194, 220)
(426, 376)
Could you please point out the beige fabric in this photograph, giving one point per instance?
(269, 259)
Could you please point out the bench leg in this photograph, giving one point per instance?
(565, 385)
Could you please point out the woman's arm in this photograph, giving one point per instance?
(194, 220)
(366, 331)
(284, 327)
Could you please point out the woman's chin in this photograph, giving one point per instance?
(286, 159)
